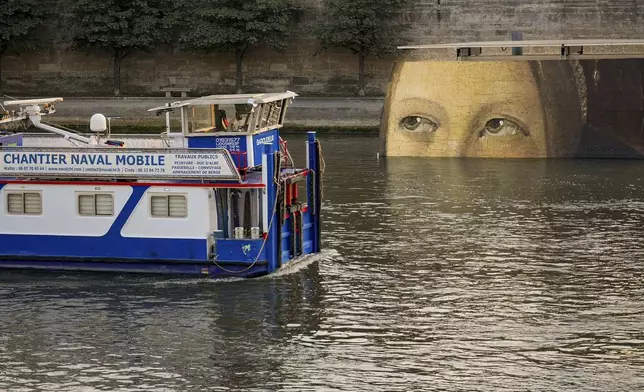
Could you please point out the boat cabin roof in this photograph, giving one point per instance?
(229, 99)
(237, 113)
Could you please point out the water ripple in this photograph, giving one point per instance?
(437, 275)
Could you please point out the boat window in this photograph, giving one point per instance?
(271, 114)
(97, 204)
(169, 206)
(219, 118)
(201, 118)
(24, 203)
(242, 118)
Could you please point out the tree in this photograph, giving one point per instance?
(235, 26)
(19, 21)
(365, 27)
(119, 26)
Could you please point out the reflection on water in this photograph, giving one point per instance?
(438, 274)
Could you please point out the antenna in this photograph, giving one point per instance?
(39, 101)
(98, 123)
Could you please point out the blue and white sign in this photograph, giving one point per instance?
(213, 164)
(231, 143)
(246, 149)
(236, 145)
(11, 141)
(260, 140)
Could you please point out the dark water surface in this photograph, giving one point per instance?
(472, 275)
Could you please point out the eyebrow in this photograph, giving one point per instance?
(427, 105)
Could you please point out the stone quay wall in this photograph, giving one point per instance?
(58, 70)
(325, 114)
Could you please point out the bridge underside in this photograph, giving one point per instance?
(542, 49)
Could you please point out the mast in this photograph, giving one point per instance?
(30, 109)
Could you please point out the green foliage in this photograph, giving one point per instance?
(366, 27)
(19, 20)
(235, 25)
(119, 25)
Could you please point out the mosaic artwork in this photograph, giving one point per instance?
(515, 109)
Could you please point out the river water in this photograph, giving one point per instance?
(472, 275)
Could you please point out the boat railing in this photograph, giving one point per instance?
(240, 158)
(287, 160)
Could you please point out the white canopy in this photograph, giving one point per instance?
(229, 99)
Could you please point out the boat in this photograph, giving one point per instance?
(215, 198)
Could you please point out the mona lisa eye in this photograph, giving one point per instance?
(418, 124)
(501, 126)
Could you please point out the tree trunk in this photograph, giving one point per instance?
(361, 58)
(117, 72)
(239, 58)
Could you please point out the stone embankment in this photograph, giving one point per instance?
(322, 114)
(58, 69)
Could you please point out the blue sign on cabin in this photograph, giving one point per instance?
(271, 138)
(231, 143)
(11, 141)
(243, 155)
(236, 145)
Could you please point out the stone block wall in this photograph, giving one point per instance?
(61, 71)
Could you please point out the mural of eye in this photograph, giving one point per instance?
(502, 127)
(418, 124)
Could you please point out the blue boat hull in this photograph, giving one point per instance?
(161, 267)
